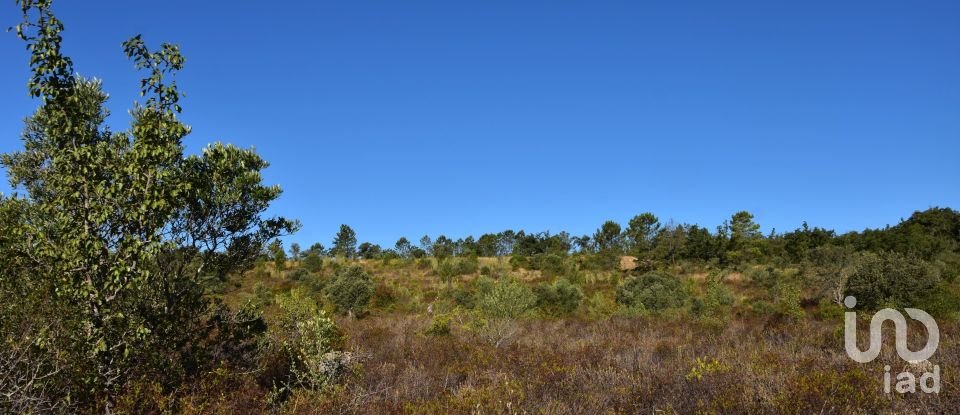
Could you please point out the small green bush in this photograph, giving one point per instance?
(262, 296)
(439, 326)
(464, 297)
(311, 339)
(716, 301)
(350, 290)
(518, 262)
(552, 265)
(651, 291)
(313, 262)
(559, 298)
(508, 299)
(766, 277)
(300, 274)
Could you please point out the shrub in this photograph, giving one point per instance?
(518, 262)
(384, 296)
(464, 297)
(944, 301)
(350, 290)
(424, 263)
(552, 265)
(706, 366)
(313, 262)
(716, 301)
(238, 335)
(787, 296)
(310, 339)
(299, 274)
(262, 296)
(651, 291)
(559, 298)
(766, 277)
(890, 279)
(439, 326)
(451, 268)
(468, 265)
(507, 299)
(601, 305)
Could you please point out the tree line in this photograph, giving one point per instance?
(931, 235)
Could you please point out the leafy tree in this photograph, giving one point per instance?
(277, 255)
(744, 238)
(505, 243)
(350, 289)
(313, 262)
(403, 247)
(487, 245)
(670, 242)
(345, 243)
(426, 244)
(641, 233)
(583, 244)
(608, 237)
(317, 248)
(119, 232)
(368, 250)
(442, 248)
(295, 251)
(804, 239)
(700, 244)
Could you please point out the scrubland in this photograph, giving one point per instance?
(599, 358)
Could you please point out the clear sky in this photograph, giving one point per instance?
(401, 118)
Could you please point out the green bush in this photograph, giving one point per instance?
(787, 296)
(518, 262)
(424, 263)
(313, 262)
(468, 265)
(559, 298)
(464, 297)
(262, 296)
(350, 290)
(766, 277)
(299, 274)
(716, 301)
(452, 268)
(439, 326)
(552, 265)
(944, 301)
(310, 339)
(507, 298)
(891, 279)
(651, 291)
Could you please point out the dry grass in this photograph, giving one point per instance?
(620, 365)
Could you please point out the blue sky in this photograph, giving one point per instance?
(405, 118)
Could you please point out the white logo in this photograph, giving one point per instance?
(906, 381)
